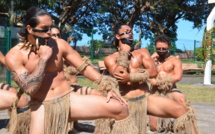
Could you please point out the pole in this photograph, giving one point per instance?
(208, 64)
(8, 46)
(194, 56)
(92, 47)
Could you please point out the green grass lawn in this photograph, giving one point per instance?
(198, 93)
(193, 93)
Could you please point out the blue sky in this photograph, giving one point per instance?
(186, 36)
(185, 31)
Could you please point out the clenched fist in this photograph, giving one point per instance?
(45, 52)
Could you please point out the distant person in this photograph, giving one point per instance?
(170, 72)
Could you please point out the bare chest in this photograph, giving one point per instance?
(166, 67)
(55, 63)
(135, 63)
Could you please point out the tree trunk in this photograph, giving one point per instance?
(11, 12)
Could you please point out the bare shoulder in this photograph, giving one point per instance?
(175, 59)
(111, 57)
(64, 46)
(62, 43)
(14, 57)
(142, 50)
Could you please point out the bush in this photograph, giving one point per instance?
(199, 54)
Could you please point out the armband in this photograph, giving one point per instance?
(69, 70)
(165, 84)
(107, 83)
(141, 76)
(86, 63)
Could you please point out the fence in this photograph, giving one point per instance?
(89, 42)
(97, 47)
(5, 45)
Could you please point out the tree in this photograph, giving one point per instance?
(164, 18)
(150, 17)
(13, 9)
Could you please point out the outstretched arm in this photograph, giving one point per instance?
(28, 82)
(74, 58)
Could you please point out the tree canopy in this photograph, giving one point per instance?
(148, 17)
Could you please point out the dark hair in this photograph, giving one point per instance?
(56, 28)
(30, 18)
(116, 29)
(163, 38)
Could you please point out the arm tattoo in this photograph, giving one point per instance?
(30, 83)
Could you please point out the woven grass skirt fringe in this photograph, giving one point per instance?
(165, 125)
(56, 114)
(187, 124)
(138, 115)
(23, 120)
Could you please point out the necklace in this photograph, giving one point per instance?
(158, 63)
(27, 45)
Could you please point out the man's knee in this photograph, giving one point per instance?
(120, 111)
(180, 110)
(23, 101)
(180, 99)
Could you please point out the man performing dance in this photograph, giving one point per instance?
(36, 64)
(169, 72)
(133, 68)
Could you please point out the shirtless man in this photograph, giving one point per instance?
(168, 65)
(133, 68)
(169, 72)
(36, 64)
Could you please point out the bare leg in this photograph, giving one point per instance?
(7, 99)
(23, 101)
(178, 97)
(37, 119)
(175, 96)
(153, 123)
(163, 107)
(89, 91)
(83, 107)
(88, 107)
